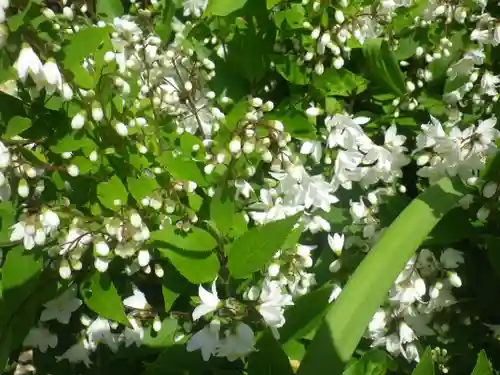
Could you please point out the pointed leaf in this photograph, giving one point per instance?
(349, 316)
(256, 247)
(101, 297)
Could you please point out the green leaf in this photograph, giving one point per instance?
(290, 70)
(178, 361)
(164, 29)
(269, 358)
(483, 365)
(101, 297)
(141, 187)
(349, 316)
(182, 168)
(383, 65)
(19, 275)
(426, 364)
(110, 8)
(305, 314)
(222, 210)
(256, 247)
(84, 43)
(164, 338)
(196, 239)
(197, 267)
(272, 3)
(72, 142)
(7, 220)
(173, 285)
(16, 126)
(295, 123)
(112, 192)
(25, 289)
(374, 362)
(339, 82)
(223, 7)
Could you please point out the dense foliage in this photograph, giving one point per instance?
(249, 187)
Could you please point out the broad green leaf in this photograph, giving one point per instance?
(20, 274)
(305, 314)
(164, 338)
(256, 247)
(383, 65)
(110, 8)
(222, 210)
(296, 123)
(339, 82)
(112, 194)
(141, 187)
(290, 70)
(223, 7)
(197, 267)
(196, 239)
(16, 126)
(349, 316)
(374, 362)
(454, 227)
(72, 142)
(172, 285)
(269, 358)
(426, 364)
(164, 29)
(25, 288)
(406, 48)
(84, 43)
(182, 168)
(483, 365)
(101, 297)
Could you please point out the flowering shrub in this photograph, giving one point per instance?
(249, 187)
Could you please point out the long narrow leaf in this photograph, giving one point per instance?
(348, 318)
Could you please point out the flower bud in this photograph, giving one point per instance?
(235, 145)
(102, 248)
(489, 189)
(78, 121)
(339, 16)
(73, 170)
(483, 213)
(121, 129)
(454, 279)
(23, 189)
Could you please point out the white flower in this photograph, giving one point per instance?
(272, 303)
(207, 340)
(136, 301)
(100, 332)
(75, 238)
(4, 156)
(406, 334)
(25, 232)
(336, 243)
(29, 63)
(61, 307)
(50, 221)
(489, 84)
(133, 335)
(209, 301)
(312, 148)
(79, 352)
(451, 258)
(194, 7)
(52, 76)
(40, 338)
(238, 344)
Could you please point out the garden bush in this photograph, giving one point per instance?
(249, 187)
